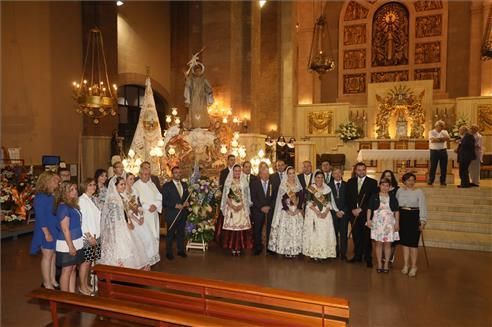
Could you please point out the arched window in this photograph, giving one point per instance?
(130, 99)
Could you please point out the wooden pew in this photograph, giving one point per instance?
(242, 302)
(130, 311)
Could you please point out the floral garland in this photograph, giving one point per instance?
(204, 198)
(455, 130)
(349, 131)
(16, 194)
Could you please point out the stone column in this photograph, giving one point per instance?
(287, 81)
(476, 34)
(255, 65)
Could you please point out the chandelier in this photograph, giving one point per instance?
(320, 61)
(94, 95)
(486, 50)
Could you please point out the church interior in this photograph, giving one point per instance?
(90, 84)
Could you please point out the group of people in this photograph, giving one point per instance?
(113, 221)
(469, 154)
(310, 213)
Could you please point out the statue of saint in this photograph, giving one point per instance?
(198, 94)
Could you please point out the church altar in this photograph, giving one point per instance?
(393, 155)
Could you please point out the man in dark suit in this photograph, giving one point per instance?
(231, 160)
(466, 153)
(359, 190)
(246, 169)
(263, 203)
(326, 169)
(275, 180)
(340, 218)
(175, 201)
(306, 178)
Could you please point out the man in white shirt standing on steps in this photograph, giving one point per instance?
(438, 138)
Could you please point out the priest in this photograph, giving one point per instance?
(151, 200)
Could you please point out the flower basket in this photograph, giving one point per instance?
(204, 199)
(455, 130)
(349, 131)
(16, 194)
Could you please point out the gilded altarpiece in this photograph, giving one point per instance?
(485, 118)
(382, 41)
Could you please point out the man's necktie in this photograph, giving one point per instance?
(359, 184)
(338, 188)
(180, 189)
(265, 187)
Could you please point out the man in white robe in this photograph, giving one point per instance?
(151, 200)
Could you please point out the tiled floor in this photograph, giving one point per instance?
(455, 291)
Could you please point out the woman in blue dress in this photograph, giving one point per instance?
(69, 238)
(45, 226)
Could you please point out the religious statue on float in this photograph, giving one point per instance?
(198, 94)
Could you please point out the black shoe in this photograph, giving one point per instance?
(182, 254)
(169, 256)
(444, 184)
(257, 252)
(270, 252)
(343, 258)
(430, 184)
(354, 259)
(464, 186)
(474, 185)
(369, 264)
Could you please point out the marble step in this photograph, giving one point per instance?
(458, 240)
(462, 208)
(459, 226)
(446, 199)
(459, 217)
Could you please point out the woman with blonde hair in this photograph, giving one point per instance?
(69, 240)
(45, 226)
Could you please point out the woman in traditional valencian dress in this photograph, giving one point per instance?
(120, 245)
(235, 231)
(143, 231)
(319, 240)
(287, 223)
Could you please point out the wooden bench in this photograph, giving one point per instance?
(130, 311)
(241, 302)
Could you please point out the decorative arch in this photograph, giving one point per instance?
(417, 44)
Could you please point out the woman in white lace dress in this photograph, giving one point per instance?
(286, 233)
(319, 240)
(120, 245)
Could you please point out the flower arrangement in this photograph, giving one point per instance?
(204, 198)
(349, 131)
(455, 130)
(16, 194)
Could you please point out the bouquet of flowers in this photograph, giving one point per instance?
(16, 194)
(455, 130)
(204, 198)
(349, 131)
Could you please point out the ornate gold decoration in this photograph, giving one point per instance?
(428, 52)
(355, 11)
(400, 101)
(354, 83)
(427, 5)
(428, 26)
(354, 34)
(429, 73)
(485, 118)
(395, 76)
(354, 59)
(390, 35)
(320, 123)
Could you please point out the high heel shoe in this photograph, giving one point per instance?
(404, 271)
(85, 293)
(413, 272)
